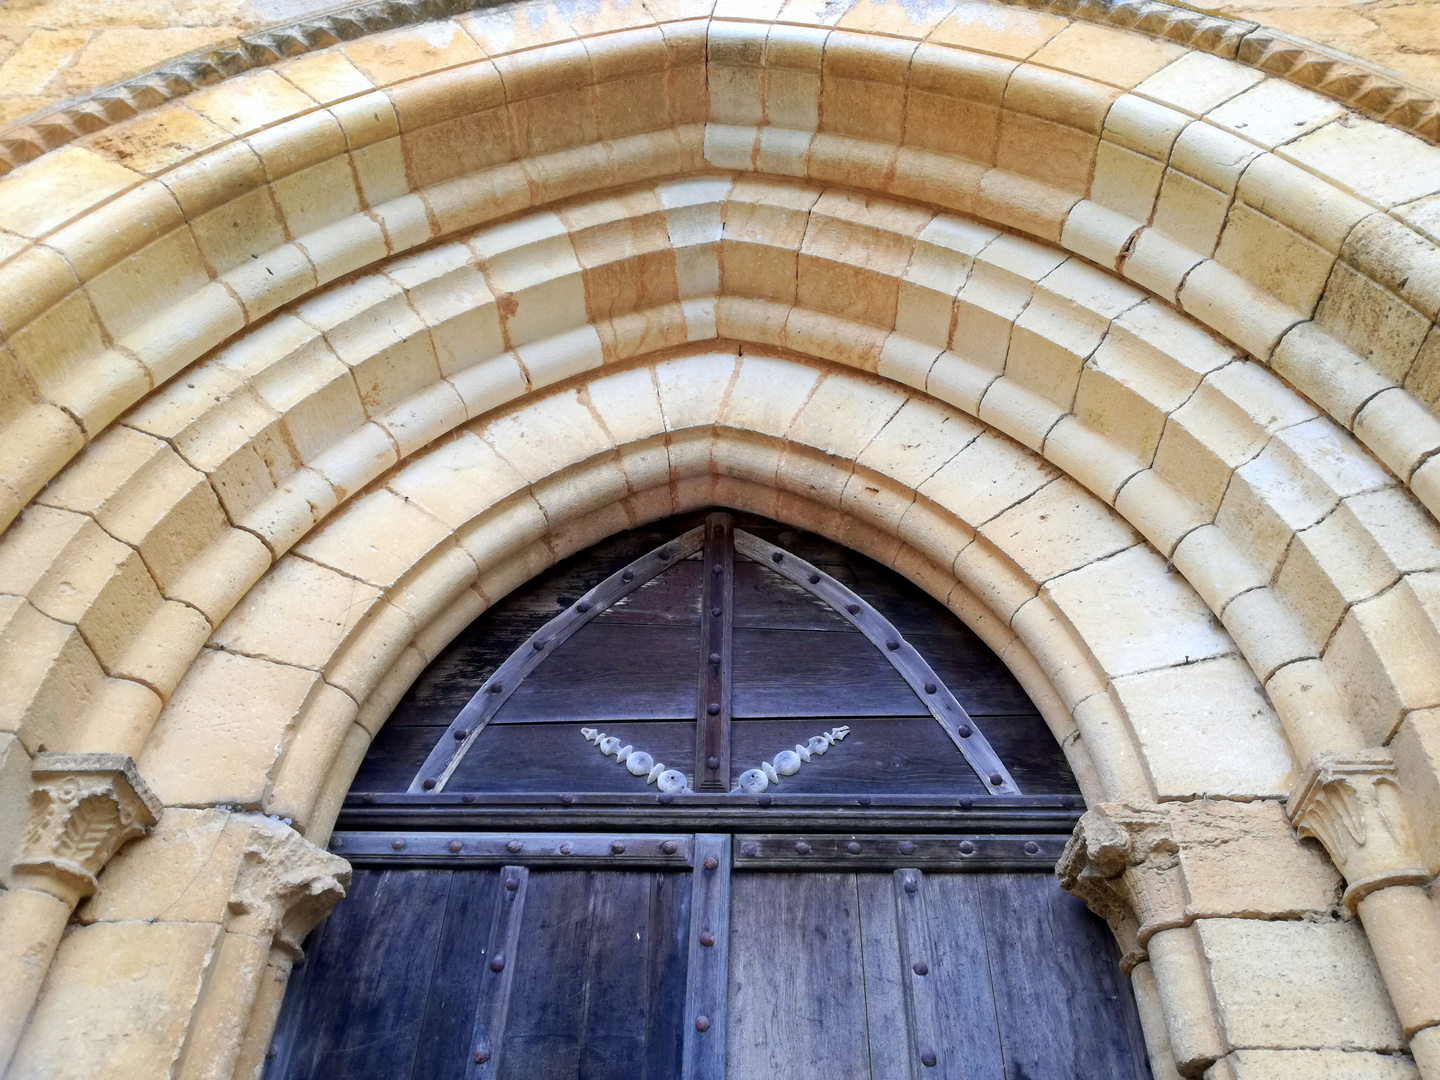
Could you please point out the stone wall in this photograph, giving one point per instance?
(1124, 351)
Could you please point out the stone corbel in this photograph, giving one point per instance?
(1124, 863)
(285, 886)
(1351, 803)
(83, 807)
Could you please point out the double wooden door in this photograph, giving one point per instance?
(684, 956)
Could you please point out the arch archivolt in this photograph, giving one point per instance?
(1124, 352)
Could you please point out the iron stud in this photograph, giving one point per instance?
(665, 553)
(967, 848)
(1032, 848)
(750, 848)
(467, 798)
(713, 708)
(666, 798)
(715, 612)
(538, 645)
(853, 609)
(398, 844)
(514, 847)
(906, 847)
(865, 800)
(498, 964)
(336, 843)
(710, 862)
(618, 847)
(764, 800)
(628, 575)
(892, 644)
(717, 570)
(702, 1023)
(455, 846)
(712, 762)
(965, 732)
(428, 783)
(669, 847)
(511, 884)
(930, 688)
(920, 967)
(714, 658)
(583, 606)
(814, 579)
(707, 939)
(496, 688)
(966, 804)
(567, 799)
(853, 847)
(566, 847)
(802, 848)
(928, 1059)
(481, 1057)
(996, 779)
(460, 734)
(911, 885)
(776, 557)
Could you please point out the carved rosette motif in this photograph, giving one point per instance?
(284, 887)
(1124, 863)
(1351, 804)
(82, 809)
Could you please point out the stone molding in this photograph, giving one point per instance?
(1370, 88)
(1351, 803)
(82, 809)
(284, 887)
(1123, 861)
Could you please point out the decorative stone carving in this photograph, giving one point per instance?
(1124, 863)
(638, 762)
(1350, 802)
(82, 809)
(284, 887)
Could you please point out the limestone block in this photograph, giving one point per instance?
(305, 764)
(1024, 415)
(83, 1027)
(1102, 235)
(1266, 631)
(1242, 858)
(424, 417)
(1300, 201)
(1383, 652)
(317, 396)
(1007, 32)
(1215, 567)
(15, 789)
(581, 491)
(1136, 615)
(1197, 82)
(1181, 714)
(223, 729)
(1334, 1000)
(1058, 529)
(533, 262)
(1125, 181)
(249, 102)
(1396, 255)
(1109, 55)
(297, 593)
(1191, 212)
(1311, 1065)
(953, 105)
(1310, 707)
(1388, 165)
(905, 360)
(508, 529)
(1155, 507)
(1050, 341)
(269, 279)
(1372, 321)
(57, 188)
(853, 254)
(325, 76)
(1402, 924)
(106, 236)
(1398, 430)
(342, 772)
(53, 347)
(1052, 153)
(161, 651)
(1090, 458)
(455, 482)
(985, 479)
(1195, 1026)
(1330, 566)
(1029, 206)
(223, 1012)
(222, 573)
(1417, 764)
(393, 55)
(1159, 263)
(917, 441)
(1070, 667)
(1274, 112)
(1276, 259)
(433, 584)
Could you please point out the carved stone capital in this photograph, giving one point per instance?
(83, 807)
(1124, 863)
(1351, 803)
(284, 887)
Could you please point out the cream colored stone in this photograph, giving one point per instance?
(1309, 705)
(986, 478)
(1192, 1020)
(31, 925)
(1058, 529)
(1384, 645)
(1197, 82)
(1311, 1065)
(1334, 1000)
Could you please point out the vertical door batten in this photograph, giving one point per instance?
(712, 698)
(705, 1013)
(497, 978)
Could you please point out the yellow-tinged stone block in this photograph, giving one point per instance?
(223, 730)
(457, 481)
(58, 187)
(157, 140)
(82, 1027)
(1274, 258)
(1312, 1065)
(1004, 31)
(305, 764)
(1330, 566)
(986, 478)
(1197, 82)
(1416, 747)
(1059, 528)
(1335, 999)
(1373, 322)
(51, 673)
(522, 437)
(1383, 646)
(249, 102)
(375, 539)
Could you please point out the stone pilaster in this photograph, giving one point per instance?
(1123, 861)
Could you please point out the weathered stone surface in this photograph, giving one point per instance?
(1310, 1065)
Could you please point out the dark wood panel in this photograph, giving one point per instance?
(612, 670)
(1064, 1008)
(960, 976)
(556, 757)
(805, 673)
(881, 754)
(765, 599)
(356, 1007)
(886, 1022)
(797, 993)
(599, 977)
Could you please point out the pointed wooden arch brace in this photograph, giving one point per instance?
(450, 750)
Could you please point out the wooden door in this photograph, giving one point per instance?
(763, 915)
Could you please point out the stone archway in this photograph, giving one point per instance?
(1130, 367)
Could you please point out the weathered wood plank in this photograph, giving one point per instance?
(1064, 1008)
(497, 976)
(714, 684)
(707, 962)
(968, 1034)
(797, 987)
(927, 1052)
(809, 673)
(968, 853)
(459, 849)
(354, 1009)
(886, 1024)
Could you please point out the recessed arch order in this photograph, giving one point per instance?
(1130, 361)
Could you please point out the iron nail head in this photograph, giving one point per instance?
(498, 964)
(928, 1059)
(920, 967)
(906, 847)
(853, 848)
(707, 939)
(398, 844)
(802, 848)
(618, 847)
(967, 848)
(1032, 848)
(455, 847)
(669, 847)
(514, 847)
(481, 1057)
(711, 863)
(511, 884)
(702, 1023)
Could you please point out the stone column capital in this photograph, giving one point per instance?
(1351, 803)
(83, 807)
(1123, 861)
(284, 887)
